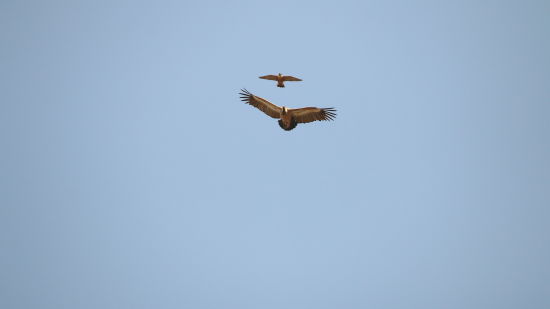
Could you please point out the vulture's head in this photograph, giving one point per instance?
(284, 110)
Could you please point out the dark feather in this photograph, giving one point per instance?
(293, 125)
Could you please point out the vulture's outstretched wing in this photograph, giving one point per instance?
(270, 77)
(291, 79)
(309, 114)
(264, 105)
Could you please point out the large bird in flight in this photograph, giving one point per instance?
(289, 118)
(281, 79)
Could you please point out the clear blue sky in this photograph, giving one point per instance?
(132, 176)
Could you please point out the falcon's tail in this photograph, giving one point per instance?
(280, 85)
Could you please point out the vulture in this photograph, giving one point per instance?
(289, 118)
(281, 79)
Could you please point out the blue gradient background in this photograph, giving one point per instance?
(131, 175)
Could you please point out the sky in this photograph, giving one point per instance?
(132, 176)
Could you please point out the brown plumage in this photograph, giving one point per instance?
(281, 79)
(289, 118)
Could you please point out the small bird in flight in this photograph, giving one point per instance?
(288, 117)
(281, 79)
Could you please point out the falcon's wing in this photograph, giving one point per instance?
(309, 114)
(270, 77)
(291, 79)
(264, 105)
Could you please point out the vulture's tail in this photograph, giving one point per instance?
(292, 125)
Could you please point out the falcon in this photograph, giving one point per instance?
(281, 79)
(289, 118)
